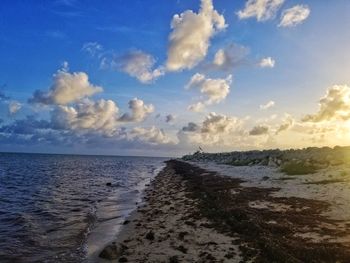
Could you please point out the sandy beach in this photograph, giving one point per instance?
(196, 215)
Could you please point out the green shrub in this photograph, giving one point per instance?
(239, 162)
(298, 168)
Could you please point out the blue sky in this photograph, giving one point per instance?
(281, 79)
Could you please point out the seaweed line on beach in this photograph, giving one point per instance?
(266, 234)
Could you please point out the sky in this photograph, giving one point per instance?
(149, 78)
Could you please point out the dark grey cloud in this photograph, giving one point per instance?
(170, 118)
(259, 130)
(191, 127)
(27, 126)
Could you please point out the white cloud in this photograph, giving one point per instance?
(137, 64)
(215, 90)
(262, 10)
(335, 105)
(294, 16)
(196, 107)
(71, 126)
(66, 88)
(101, 115)
(267, 62)
(267, 105)
(229, 57)
(216, 129)
(14, 107)
(65, 66)
(190, 38)
(139, 111)
(153, 135)
(220, 58)
(216, 124)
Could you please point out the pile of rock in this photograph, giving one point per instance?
(317, 157)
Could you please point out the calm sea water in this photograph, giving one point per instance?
(58, 208)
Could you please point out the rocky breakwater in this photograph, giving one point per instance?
(292, 161)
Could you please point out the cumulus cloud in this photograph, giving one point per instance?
(153, 135)
(137, 64)
(229, 57)
(262, 10)
(14, 107)
(335, 105)
(215, 90)
(259, 130)
(139, 111)
(30, 131)
(190, 37)
(66, 88)
(294, 16)
(170, 118)
(216, 124)
(267, 105)
(101, 115)
(196, 107)
(267, 62)
(216, 129)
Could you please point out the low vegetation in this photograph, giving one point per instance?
(298, 168)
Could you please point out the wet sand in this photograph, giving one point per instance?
(192, 215)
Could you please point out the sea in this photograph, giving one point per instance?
(65, 208)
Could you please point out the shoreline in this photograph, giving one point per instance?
(106, 231)
(195, 215)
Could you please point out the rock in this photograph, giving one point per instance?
(335, 162)
(173, 259)
(113, 251)
(150, 236)
(229, 255)
(210, 257)
(182, 235)
(272, 162)
(182, 249)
